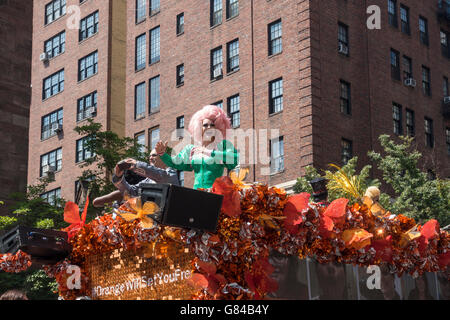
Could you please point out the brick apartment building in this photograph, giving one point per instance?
(78, 72)
(310, 69)
(15, 94)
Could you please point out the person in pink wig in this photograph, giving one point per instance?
(210, 154)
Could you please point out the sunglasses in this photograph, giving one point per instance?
(209, 125)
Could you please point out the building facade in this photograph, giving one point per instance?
(15, 94)
(310, 79)
(313, 71)
(78, 72)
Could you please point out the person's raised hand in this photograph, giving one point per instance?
(161, 147)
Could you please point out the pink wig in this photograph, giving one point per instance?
(213, 113)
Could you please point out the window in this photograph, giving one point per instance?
(397, 118)
(87, 106)
(275, 33)
(51, 161)
(50, 123)
(140, 10)
(445, 88)
(232, 8)
(345, 99)
(277, 155)
(233, 56)
(52, 196)
(216, 12)
(154, 7)
(445, 48)
(140, 52)
(410, 123)
(407, 67)
(219, 104)
(180, 127)
(154, 94)
(88, 26)
(395, 64)
(140, 139)
(154, 45)
(88, 66)
(429, 135)
(56, 45)
(276, 96)
(153, 137)
(423, 28)
(83, 152)
(234, 110)
(216, 63)
(343, 40)
(180, 23)
(53, 84)
(139, 101)
(447, 139)
(426, 81)
(180, 75)
(54, 10)
(392, 12)
(404, 18)
(346, 150)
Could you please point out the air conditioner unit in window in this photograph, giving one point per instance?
(48, 172)
(447, 100)
(343, 48)
(57, 127)
(44, 57)
(91, 112)
(217, 72)
(410, 82)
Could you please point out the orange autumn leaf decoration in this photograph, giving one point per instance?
(259, 280)
(333, 214)
(238, 179)
(231, 204)
(430, 229)
(356, 238)
(72, 216)
(383, 248)
(336, 209)
(292, 211)
(142, 212)
(208, 279)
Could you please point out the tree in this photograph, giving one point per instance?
(107, 148)
(32, 211)
(415, 195)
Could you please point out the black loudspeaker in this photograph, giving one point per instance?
(183, 207)
(42, 244)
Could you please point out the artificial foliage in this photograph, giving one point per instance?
(233, 262)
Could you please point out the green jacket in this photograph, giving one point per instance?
(207, 169)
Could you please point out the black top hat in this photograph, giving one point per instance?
(320, 192)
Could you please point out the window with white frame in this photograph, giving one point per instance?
(51, 161)
(277, 155)
(51, 123)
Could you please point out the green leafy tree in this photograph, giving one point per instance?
(415, 195)
(32, 211)
(108, 148)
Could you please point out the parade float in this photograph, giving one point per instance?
(126, 254)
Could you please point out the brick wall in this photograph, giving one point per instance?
(15, 66)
